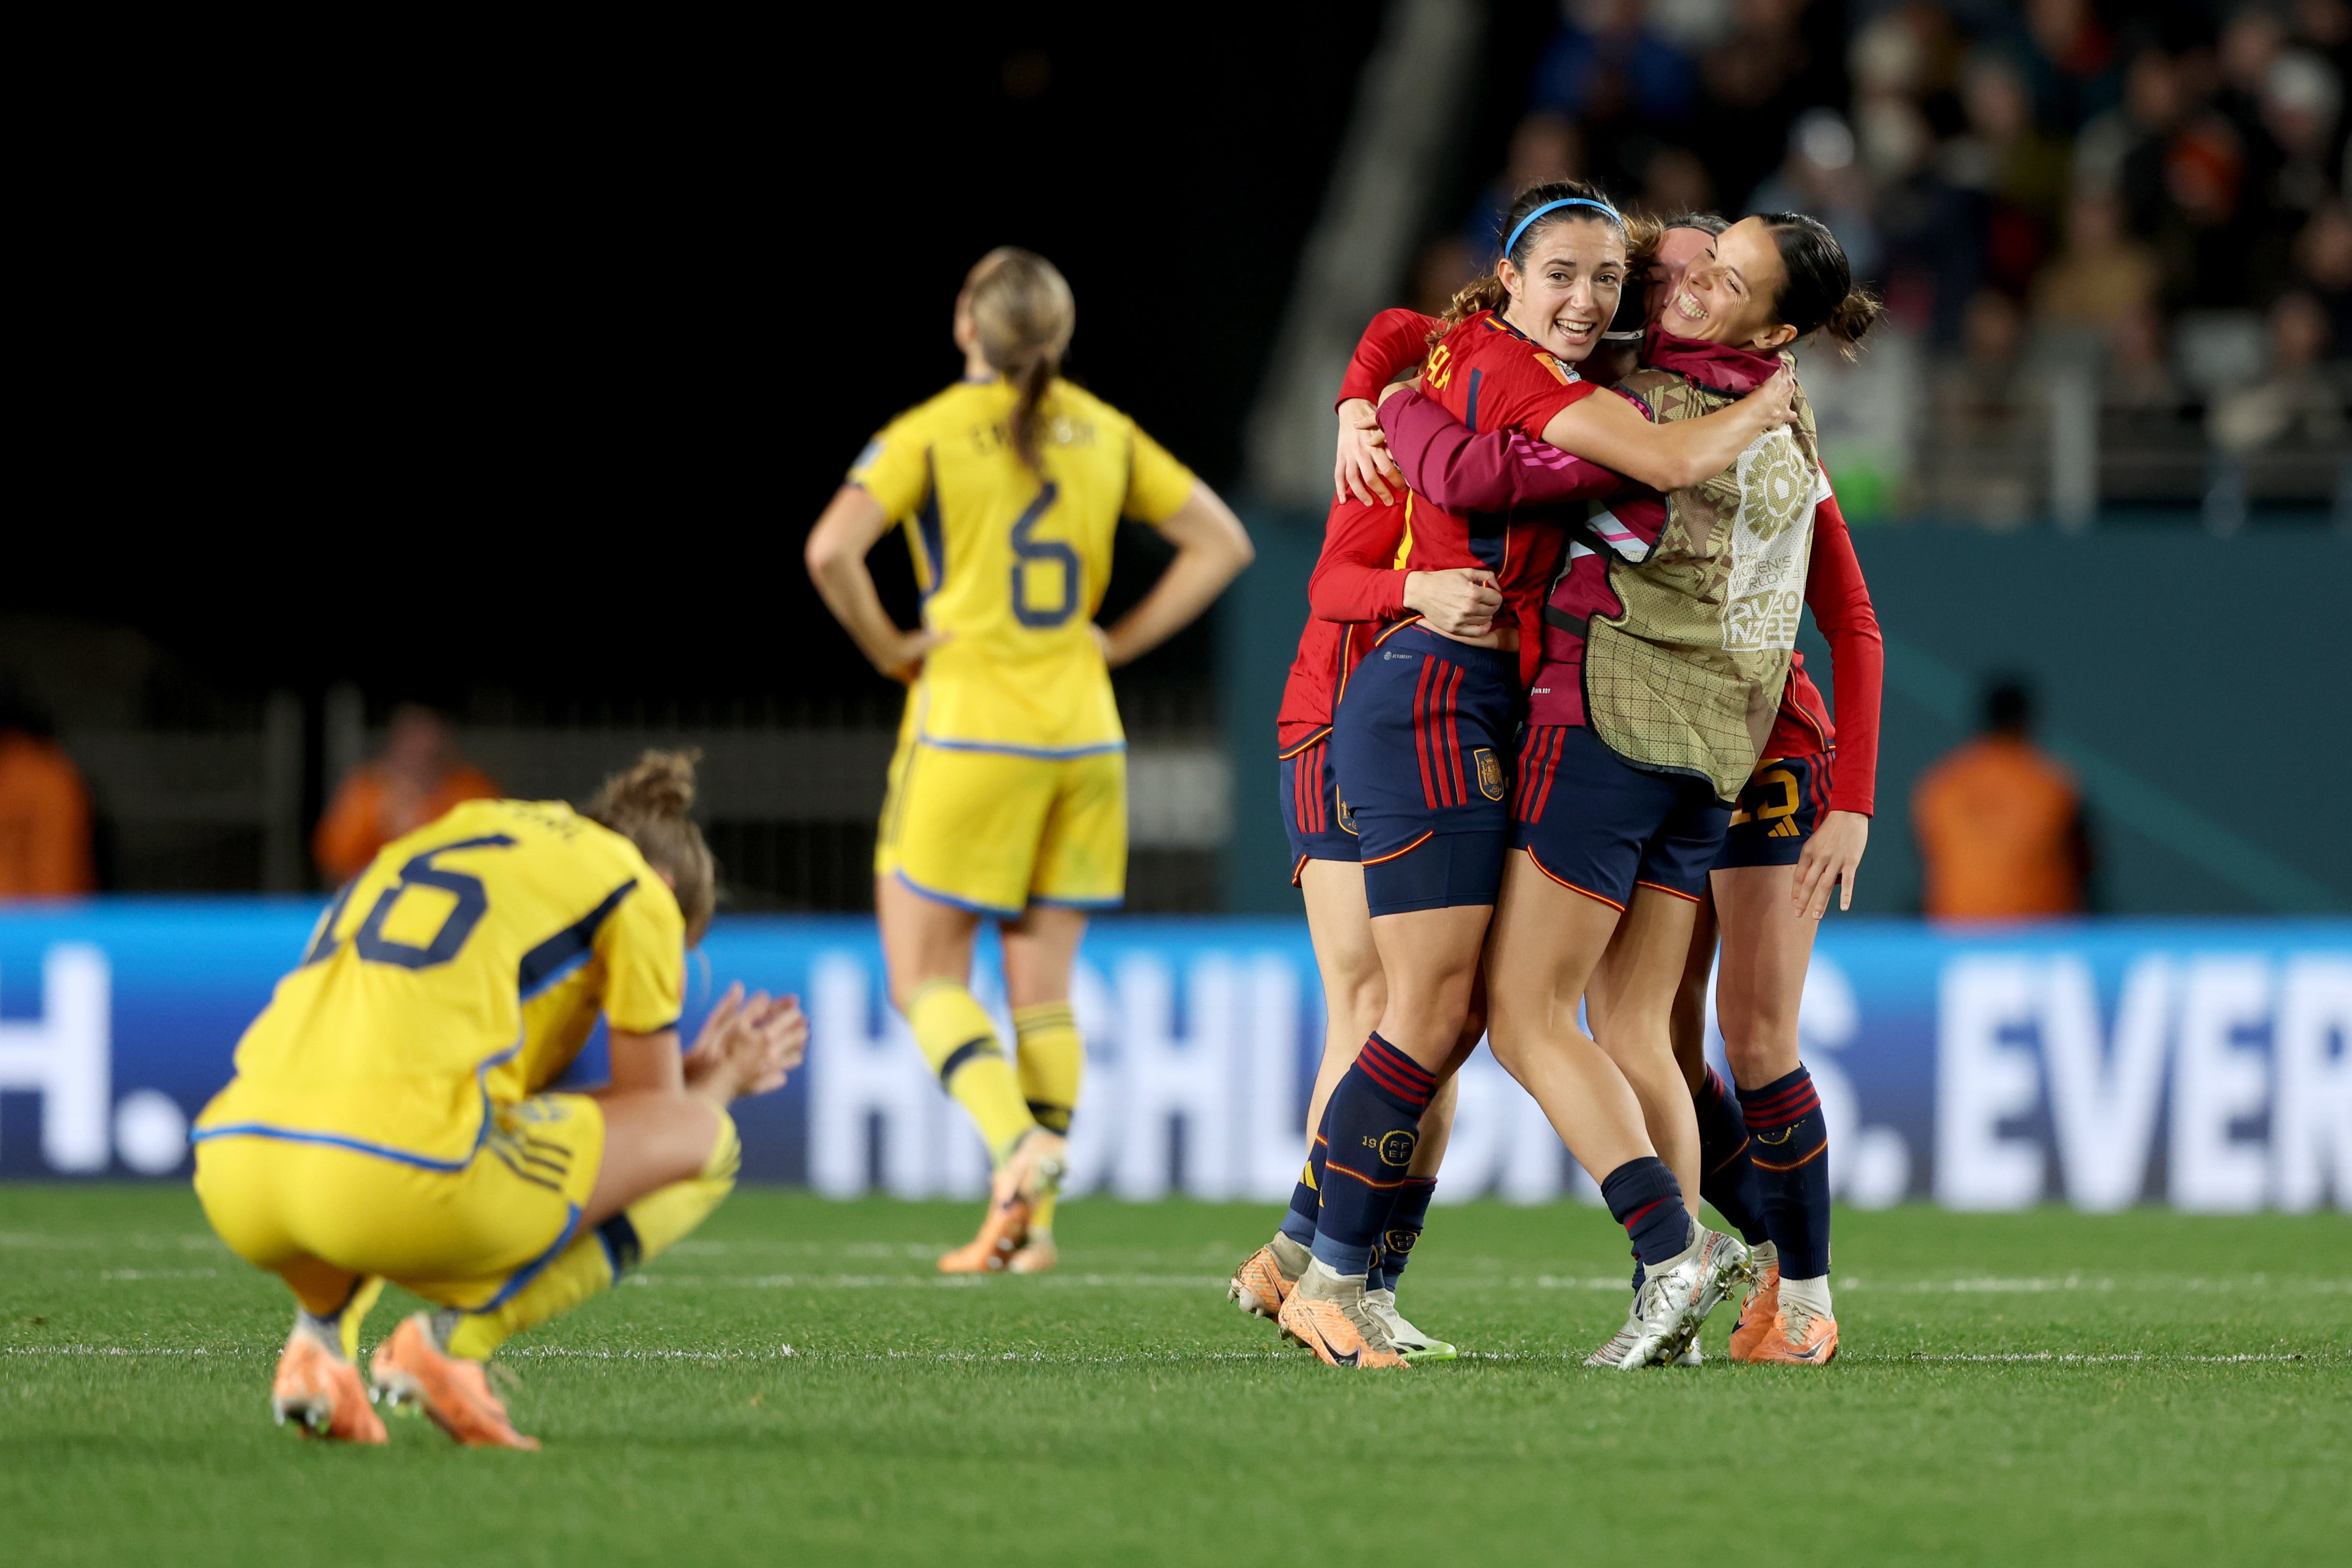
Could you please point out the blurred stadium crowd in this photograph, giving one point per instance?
(2112, 236)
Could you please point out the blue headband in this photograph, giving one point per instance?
(1604, 207)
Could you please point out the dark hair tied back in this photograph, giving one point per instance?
(1820, 294)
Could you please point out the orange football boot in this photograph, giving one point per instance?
(1815, 1346)
(1325, 1328)
(1258, 1286)
(1033, 1168)
(1758, 1316)
(1003, 1231)
(409, 1368)
(322, 1393)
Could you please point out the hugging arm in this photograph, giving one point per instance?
(1498, 471)
(1618, 434)
(1392, 346)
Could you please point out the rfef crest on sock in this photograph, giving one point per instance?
(1374, 1125)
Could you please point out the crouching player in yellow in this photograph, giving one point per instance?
(389, 1118)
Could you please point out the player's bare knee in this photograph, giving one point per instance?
(1366, 996)
(692, 1130)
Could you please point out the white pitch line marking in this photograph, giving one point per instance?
(1162, 1358)
(936, 1281)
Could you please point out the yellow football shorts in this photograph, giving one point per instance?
(322, 1211)
(993, 832)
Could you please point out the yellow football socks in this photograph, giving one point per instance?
(339, 1326)
(960, 1043)
(594, 1262)
(354, 1315)
(1053, 1058)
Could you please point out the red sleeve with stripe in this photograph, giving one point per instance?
(1840, 601)
(1498, 471)
(1390, 347)
(1356, 577)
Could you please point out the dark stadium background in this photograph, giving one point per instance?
(529, 372)
(504, 367)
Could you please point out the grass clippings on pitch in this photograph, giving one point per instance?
(795, 1384)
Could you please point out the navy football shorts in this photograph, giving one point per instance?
(1318, 823)
(1595, 823)
(1421, 742)
(1778, 809)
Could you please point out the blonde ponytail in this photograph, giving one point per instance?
(1023, 314)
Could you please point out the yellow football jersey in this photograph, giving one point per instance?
(463, 969)
(1013, 565)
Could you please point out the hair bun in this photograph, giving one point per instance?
(658, 788)
(1855, 315)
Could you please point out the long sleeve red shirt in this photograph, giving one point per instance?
(1840, 600)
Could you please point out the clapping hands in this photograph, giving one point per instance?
(747, 1046)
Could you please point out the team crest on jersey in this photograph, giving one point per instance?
(1396, 1148)
(1559, 371)
(1490, 773)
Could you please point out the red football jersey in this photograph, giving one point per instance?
(1491, 377)
(1355, 584)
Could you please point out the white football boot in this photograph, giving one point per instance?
(1679, 1294)
(1403, 1338)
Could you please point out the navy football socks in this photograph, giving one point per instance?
(1645, 1197)
(1792, 1171)
(1405, 1222)
(1726, 1178)
(1306, 1196)
(1374, 1124)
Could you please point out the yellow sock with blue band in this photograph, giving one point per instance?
(961, 1044)
(597, 1261)
(1052, 1061)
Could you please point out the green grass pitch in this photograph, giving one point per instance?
(793, 1384)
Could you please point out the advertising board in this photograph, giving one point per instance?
(2206, 1065)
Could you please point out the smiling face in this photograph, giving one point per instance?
(1569, 290)
(1678, 248)
(1732, 292)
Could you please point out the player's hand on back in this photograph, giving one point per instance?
(1461, 601)
(1776, 401)
(1363, 469)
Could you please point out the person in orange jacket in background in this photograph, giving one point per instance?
(419, 779)
(1999, 824)
(45, 826)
